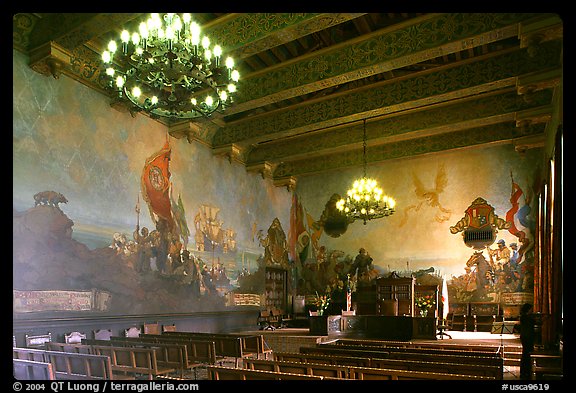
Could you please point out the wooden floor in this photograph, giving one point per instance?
(290, 340)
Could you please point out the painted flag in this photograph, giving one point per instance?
(511, 215)
(445, 305)
(155, 183)
(297, 228)
(179, 215)
(518, 216)
(348, 299)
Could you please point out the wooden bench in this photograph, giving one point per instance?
(324, 370)
(69, 365)
(547, 366)
(436, 366)
(493, 352)
(253, 345)
(131, 362)
(411, 354)
(170, 357)
(411, 344)
(219, 373)
(200, 353)
(322, 359)
(370, 373)
(32, 370)
(226, 346)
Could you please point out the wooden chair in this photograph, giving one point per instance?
(74, 337)
(132, 332)
(169, 328)
(102, 334)
(152, 328)
(264, 320)
(38, 341)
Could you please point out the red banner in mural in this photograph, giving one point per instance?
(155, 183)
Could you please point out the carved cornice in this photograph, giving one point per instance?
(499, 133)
(50, 59)
(265, 169)
(232, 152)
(288, 181)
(424, 88)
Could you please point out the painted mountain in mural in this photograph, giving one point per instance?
(47, 258)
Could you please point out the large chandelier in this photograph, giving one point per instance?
(365, 200)
(169, 69)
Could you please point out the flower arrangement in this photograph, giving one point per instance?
(322, 302)
(424, 303)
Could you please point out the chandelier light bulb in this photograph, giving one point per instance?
(106, 58)
(110, 71)
(136, 92)
(209, 101)
(154, 100)
(205, 42)
(194, 102)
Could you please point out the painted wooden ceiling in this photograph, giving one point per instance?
(425, 82)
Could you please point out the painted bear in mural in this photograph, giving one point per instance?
(51, 198)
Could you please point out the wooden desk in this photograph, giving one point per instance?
(377, 326)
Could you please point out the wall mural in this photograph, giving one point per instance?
(499, 271)
(93, 232)
(89, 222)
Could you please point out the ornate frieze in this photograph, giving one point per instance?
(409, 43)
(464, 114)
(424, 88)
(503, 133)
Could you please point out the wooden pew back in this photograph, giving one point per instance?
(322, 359)
(32, 370)
(219, 373)
(129, 362)
(370, 373)
(413, 354)
(70, 365)
(325, 370)
(169, 356)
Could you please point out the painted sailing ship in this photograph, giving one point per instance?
(210, 236)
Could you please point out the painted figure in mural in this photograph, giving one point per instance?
(143, 242)
(174, 249)
(429, 196)
(275, 245)
(162, 247)
(362, 266)
(480, 273)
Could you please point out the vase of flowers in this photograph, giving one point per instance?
(424, 304)
(322, 302)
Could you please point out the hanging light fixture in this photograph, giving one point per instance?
(365, 200)
(169, 69)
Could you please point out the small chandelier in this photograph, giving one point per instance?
(365, 200)
(168, 70)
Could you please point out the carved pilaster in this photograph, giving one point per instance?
(49, 59)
